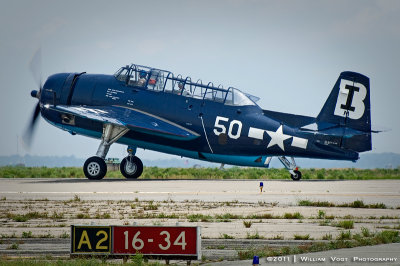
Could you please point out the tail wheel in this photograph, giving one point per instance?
(296, 176)
(131, 167)
(95, 168)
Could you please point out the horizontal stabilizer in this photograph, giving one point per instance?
(290, 119)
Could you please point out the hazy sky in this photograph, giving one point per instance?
(289, 53)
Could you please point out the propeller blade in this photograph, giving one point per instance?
(27, 137)
(35, 65)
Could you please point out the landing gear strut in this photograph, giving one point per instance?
(295, 174)
(131, 166)
(95, 168)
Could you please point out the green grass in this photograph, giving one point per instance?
(26, 217)
(344, 240)
(316, 203)
(205, 173)
(199, 217)
(301, 237)
(347, 224)
(354, 204)
(83, 216)
(48, 235)
(277, 237)
(360, 204)
(76, 198)
(226, 236)
(295, 215)
(365, 232)
(102, 216)
(13, 246)
(321, 214)
(344, 235)
(247, 224)
(27, 234)
(141, 214)
(262, 216)
(228, 216)
(57, 216)
(327, 237)
(64, 235)
(254, 236)
(151, 206)
(325, 222)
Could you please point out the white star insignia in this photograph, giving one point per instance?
(277, 138)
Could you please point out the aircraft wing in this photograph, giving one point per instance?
(131, 118)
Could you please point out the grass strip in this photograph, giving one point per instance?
(205, 173)
(344, 240)
(354, 204)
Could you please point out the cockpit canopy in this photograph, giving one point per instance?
(165, 81)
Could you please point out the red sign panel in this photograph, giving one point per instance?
(154, 240)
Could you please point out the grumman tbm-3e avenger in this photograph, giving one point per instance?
(150, 108)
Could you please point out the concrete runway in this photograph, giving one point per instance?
(242, 197)
(284, 192)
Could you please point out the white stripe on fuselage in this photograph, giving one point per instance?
(257, 133)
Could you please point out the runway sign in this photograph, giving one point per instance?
(173, 242)
(91, 239)
(155, 240)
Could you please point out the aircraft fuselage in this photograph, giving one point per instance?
(240, 135)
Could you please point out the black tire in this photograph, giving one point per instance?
(296, 176)
(95, 168)
(135, 170)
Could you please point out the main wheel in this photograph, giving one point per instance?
(131, 167)
(296, 176)
(95, 168)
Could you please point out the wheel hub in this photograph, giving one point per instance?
(93, 168)
(130, 168)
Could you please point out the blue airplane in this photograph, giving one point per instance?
(150, 108)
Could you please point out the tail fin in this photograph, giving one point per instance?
(348, 109)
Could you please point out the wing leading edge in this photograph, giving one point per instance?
(130, 118)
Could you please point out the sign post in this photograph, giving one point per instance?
(157, 242)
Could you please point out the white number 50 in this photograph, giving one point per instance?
(222, 127)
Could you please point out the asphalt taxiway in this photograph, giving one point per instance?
(286, 192)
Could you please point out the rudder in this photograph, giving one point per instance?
(348, 108)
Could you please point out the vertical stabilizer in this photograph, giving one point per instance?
(348, 108)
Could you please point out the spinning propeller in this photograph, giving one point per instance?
(35, 67)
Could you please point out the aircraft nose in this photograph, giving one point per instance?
(52, 89)
(34, 94)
